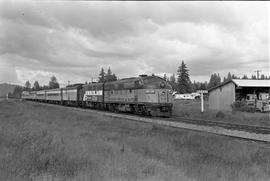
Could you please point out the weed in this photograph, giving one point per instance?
(220, 114)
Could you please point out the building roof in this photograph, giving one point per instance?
(245, 83)
(251, 83)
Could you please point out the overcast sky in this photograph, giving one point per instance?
(73, 40)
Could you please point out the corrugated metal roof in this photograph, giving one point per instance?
(245, 83)
(251, 83)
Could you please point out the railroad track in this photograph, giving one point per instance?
(233, 126)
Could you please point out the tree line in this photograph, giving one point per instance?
(53, 84)
(182, 83)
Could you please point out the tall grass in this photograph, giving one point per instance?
(39, 142)
(26, 155)
(192, 109)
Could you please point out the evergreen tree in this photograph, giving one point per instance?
(215, 80)
(253, 77)
(173, 82)
(36, 86)
(199, 86)
(165, 77)
(204, 86)
(114, 78)
(245, 77)
(109, 77)
(27, 85)
(234, 76)
(17, 93)
(53, 84)
(184, 83)
(101, 78)
(224, 79)
(229, 77)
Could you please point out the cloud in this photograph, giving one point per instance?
(73, 40)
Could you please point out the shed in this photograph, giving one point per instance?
(222, 96)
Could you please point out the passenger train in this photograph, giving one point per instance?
(146, 95)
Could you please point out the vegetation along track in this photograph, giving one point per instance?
(255, 133)
(233, 126)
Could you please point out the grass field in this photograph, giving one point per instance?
(192, 108)
(48, 142)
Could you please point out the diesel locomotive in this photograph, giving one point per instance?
(146, 95)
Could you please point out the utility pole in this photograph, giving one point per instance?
(201, 92)
(258, 73)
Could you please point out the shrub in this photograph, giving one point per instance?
(220, 114)
(242, 106)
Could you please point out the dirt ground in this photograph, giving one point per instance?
(49, 142)
(192, 109)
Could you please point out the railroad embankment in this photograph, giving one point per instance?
(39, 142)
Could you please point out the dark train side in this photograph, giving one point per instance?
(146, 95)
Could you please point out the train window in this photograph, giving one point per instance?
(111, 92)
(130, 90)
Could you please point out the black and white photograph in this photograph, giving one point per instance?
(134, 90)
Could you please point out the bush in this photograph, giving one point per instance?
(220, 114)
(242, 106)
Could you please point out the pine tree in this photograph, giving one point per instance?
(27, 85)
(184, 83)
(36, 86)
(245, 77)
(17, 92)
(53, 84)
(101, 78)
(109, 77)
(234, 76)
(215, 80)
(229, 77)
(114, 78)
(165, 77)
(253, 77)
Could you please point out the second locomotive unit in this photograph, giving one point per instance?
(146, 95)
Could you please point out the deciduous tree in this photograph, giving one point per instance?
(53, 84)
